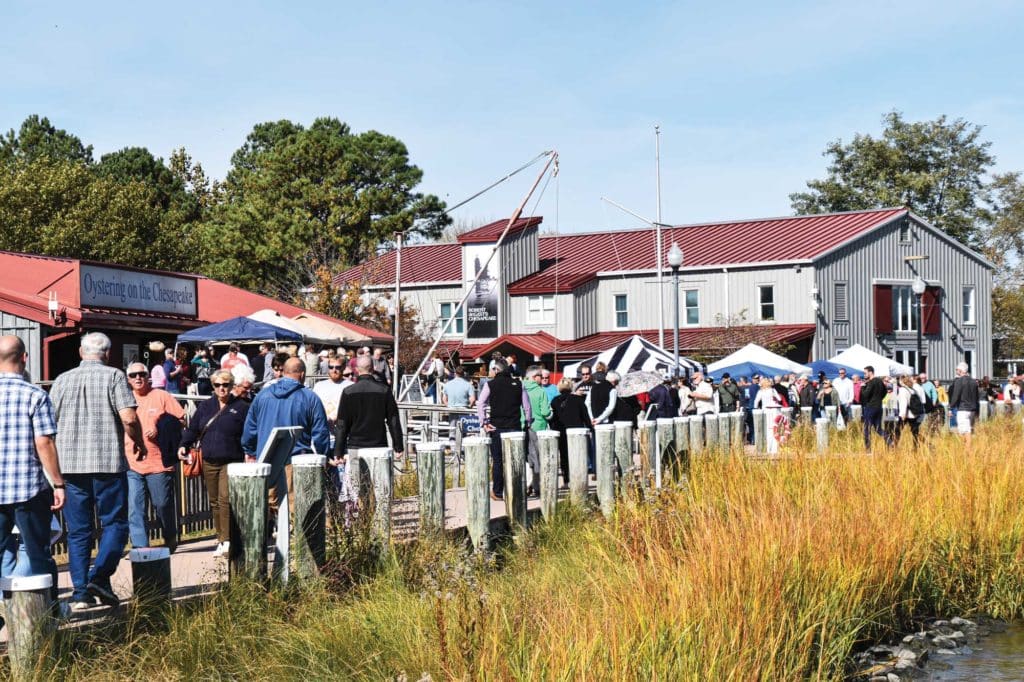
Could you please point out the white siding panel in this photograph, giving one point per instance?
(30, 334)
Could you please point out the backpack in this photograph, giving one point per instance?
(929, 404)
(915, 405)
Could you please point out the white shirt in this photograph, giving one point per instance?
(844, 387)
(241, 356)
(329, 393)
(704, 397)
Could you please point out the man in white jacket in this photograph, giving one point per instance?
(844, 389)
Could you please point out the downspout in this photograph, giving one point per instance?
(728, 319)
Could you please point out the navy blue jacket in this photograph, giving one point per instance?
(222, 442)
(287, 403)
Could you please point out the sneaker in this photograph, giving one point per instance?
(104, 594)
(227, 547)
(83, 604)
(219, 549)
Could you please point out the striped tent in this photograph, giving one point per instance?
(635, 355)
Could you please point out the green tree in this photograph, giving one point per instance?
(37, 138)
(937, 168)
(300, 198)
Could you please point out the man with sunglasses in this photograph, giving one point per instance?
(148, 473)
(339, 377)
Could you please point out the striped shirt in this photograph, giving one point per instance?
(25, 414)
(87, 401)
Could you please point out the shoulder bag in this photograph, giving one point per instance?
(194, 466)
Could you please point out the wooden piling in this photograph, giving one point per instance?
(737, 439)
(624, 456)
(430, 472)
(983, 410)
(1000, 410)
(760, 435)
(805, 415)
(30, 621)
(310, 523)
(151, 574)
(681, 427)
(478, 504)
(380, 470)
(604, 437)
(547, 442)
(832, 413)
(513, 451)
(724, 432)
(647, 437)
(821, 426)
(666, 448)
(578, 444)
(711, 432)
(696, 435)
(855, 412)
(247, 500)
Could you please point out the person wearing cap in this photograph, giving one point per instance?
(964, 397)
(728, 394)
(662, 398)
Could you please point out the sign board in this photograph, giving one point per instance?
(104, 287)
(482, 304)
(277, 452)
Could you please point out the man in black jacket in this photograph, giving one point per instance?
(503, 407)
(366, 408)
(964, 398)
(872, 393)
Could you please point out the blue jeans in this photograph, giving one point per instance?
(106, 496)
(161, 495)
(33, 520)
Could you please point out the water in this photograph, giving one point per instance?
(1000, 656)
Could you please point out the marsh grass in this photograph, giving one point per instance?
(750, 570)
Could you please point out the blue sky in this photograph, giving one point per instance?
(747, 96)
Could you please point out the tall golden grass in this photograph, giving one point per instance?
(748, 570)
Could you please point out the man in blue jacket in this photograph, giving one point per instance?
(287, 403)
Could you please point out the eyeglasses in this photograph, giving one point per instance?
(222, 385)
(277, 369)
(136, 375)
(333, 367)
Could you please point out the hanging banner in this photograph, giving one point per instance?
(482, 305)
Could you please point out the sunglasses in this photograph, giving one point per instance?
(222, 385)
(136, 375)
(346, 374)
(334, 366)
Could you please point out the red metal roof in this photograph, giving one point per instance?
(26, 281)
(491, 231)
(420, 263)
(569, 260)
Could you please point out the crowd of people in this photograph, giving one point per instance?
(104, 441)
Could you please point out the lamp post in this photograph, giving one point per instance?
(674, 258)
(918, 286)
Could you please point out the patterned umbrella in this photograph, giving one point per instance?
(635, 383)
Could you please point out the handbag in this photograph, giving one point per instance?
(193, 467)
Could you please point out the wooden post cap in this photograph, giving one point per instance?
(577, 431)
(605, 427)
(309, 460)
(248, 469)
(665, 421)
(429, 447)
(623, 425)
(26, 583)
(476, 440)
(370, 453)
(144, 554)
(513, 435)
(547, 433)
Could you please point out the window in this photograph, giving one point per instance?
(968, 293)
(841, 311)
(446, 314)
(905, 231)
(904, 310)
(909, 357)
(766, 302)
(540, 310)
(621, 314)
(692, 298)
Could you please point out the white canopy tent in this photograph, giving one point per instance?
(635, 355)
(273, 317)
(860, 357)
(318, 326)
(758, 355)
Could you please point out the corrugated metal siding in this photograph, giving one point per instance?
(518, 256)
(29, 332)
(879, 256)
(721, 295)
(428, 302)
(585, 310)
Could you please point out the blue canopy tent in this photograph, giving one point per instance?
(831, 369)
(239, 329)
(746, 369)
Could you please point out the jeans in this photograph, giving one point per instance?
(872, 417)
(106, 496)
(33, 520)
(160, 487)
(497, 462)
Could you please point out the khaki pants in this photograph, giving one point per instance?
(273, 487)
(215, 476)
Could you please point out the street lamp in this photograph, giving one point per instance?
(918, 286)
(674, 258)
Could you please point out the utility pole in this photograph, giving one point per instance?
(396, 379)
(658, 256)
